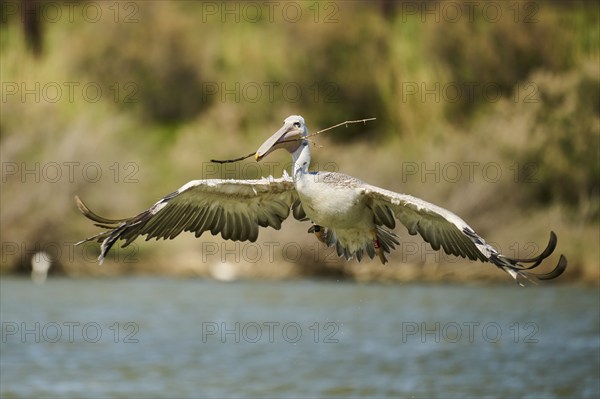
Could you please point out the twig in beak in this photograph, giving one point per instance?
(302, 138)
(233, 160)
(364, 121)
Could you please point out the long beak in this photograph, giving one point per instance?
(279, 140)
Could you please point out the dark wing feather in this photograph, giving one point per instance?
(443, 229)
(232, 208)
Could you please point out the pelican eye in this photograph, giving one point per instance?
(297, 124)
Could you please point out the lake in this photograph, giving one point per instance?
(153, 337)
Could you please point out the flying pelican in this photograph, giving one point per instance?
(355, 217)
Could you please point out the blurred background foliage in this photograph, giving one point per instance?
(181, 84)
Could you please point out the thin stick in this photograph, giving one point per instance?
(233, 160)
(252, 153)
(302, 138)
(364, 121)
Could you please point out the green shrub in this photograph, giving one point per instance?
(499, 51)
(345, 64)
(152, 63)
(565, 139)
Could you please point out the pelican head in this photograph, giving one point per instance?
(288, 137)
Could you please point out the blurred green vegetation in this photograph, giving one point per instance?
(181, 85)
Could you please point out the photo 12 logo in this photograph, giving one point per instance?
(68, 171)
(327, 12)
(272, 92)
(270, 332)
(470, 11)
(71, 11)
(468, 332)
(71, 92)
(52, 252)
(69, 331)
(466, 92)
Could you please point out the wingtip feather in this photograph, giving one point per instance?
(518, 271)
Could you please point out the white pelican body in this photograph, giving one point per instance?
(336, 202)
(356, 217)
(330, 204)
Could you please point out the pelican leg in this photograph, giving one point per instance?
(377, 245)
(319, 232)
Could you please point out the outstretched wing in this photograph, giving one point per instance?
(443, 229)
(233, 208)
